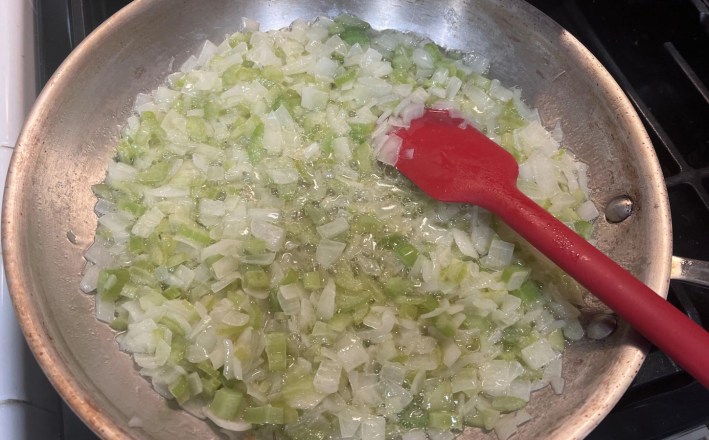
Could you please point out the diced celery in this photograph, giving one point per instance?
(509, 118)
(195, 233)
(408, 311)
(196, 129)
(361, 132)
(365, 223)
(255, 148)
(289, 99)
(413, 416)
(434, 51)
(507, 403)
(135, 208)
(556, 340)
(340, 321)
(276, 350)
(529, 292)
(312, 280)
(347, 76)
(445, 420)
(440, 398)
(454, 272)
(180, 389)
(444, 323)
(261, 415)
(256, 279)
(396, 286)
(429, 303)
(355, 35)
(111, 282)
(226, 403)
(291, 276)
(583, 228)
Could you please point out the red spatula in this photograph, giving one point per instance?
(455, 164)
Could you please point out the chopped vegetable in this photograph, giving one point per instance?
(265, 265)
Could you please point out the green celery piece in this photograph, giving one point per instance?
(316, 214)
(347, 302)
(515, 336)
(128, 151)
(211, 110)
(135, 208)
(261, 415)
(440, 398)
(174, 327)
(254, 246)
(196, 129)
(178, 345)
(348, 75)
(195, 233)
(340, 321)
(429, 304)
(363, 157)
(444, 324)
(309, 428)
(180, 389)
(351, 21)
(507, 403)
(304, 172)
(434, 51)
(359, 313)
(405, 251)
(509, 119)
(290, 99)
(413, 416)
(556, 340)
(346, 279)
(445, 420)
(176, 259)
(119, 323)
(255, 148)
(583, 228)
(290, 277)
(226, 403)
(239, 37)
(401, 60)
(209, 385)
(273, 73)
(312, 280)
(276, 351)
(408, 311)
(355, 35)
(290, 415)
(529, 292)
(455, 272)
(397, 286)
(143, 274)
(206, 367)
(103, 191)
(360, 132)
(365, 223)
(111, 282)
(509, 271)
(256, 279)
(172, 292)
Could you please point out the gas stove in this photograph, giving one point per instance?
(657, 52)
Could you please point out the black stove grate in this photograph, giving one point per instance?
(658, 51)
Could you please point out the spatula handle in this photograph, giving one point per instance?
(670, 330)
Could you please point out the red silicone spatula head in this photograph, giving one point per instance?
(453, 162)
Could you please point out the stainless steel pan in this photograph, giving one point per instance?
(69, 137)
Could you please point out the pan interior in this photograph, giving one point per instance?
(71, 133)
